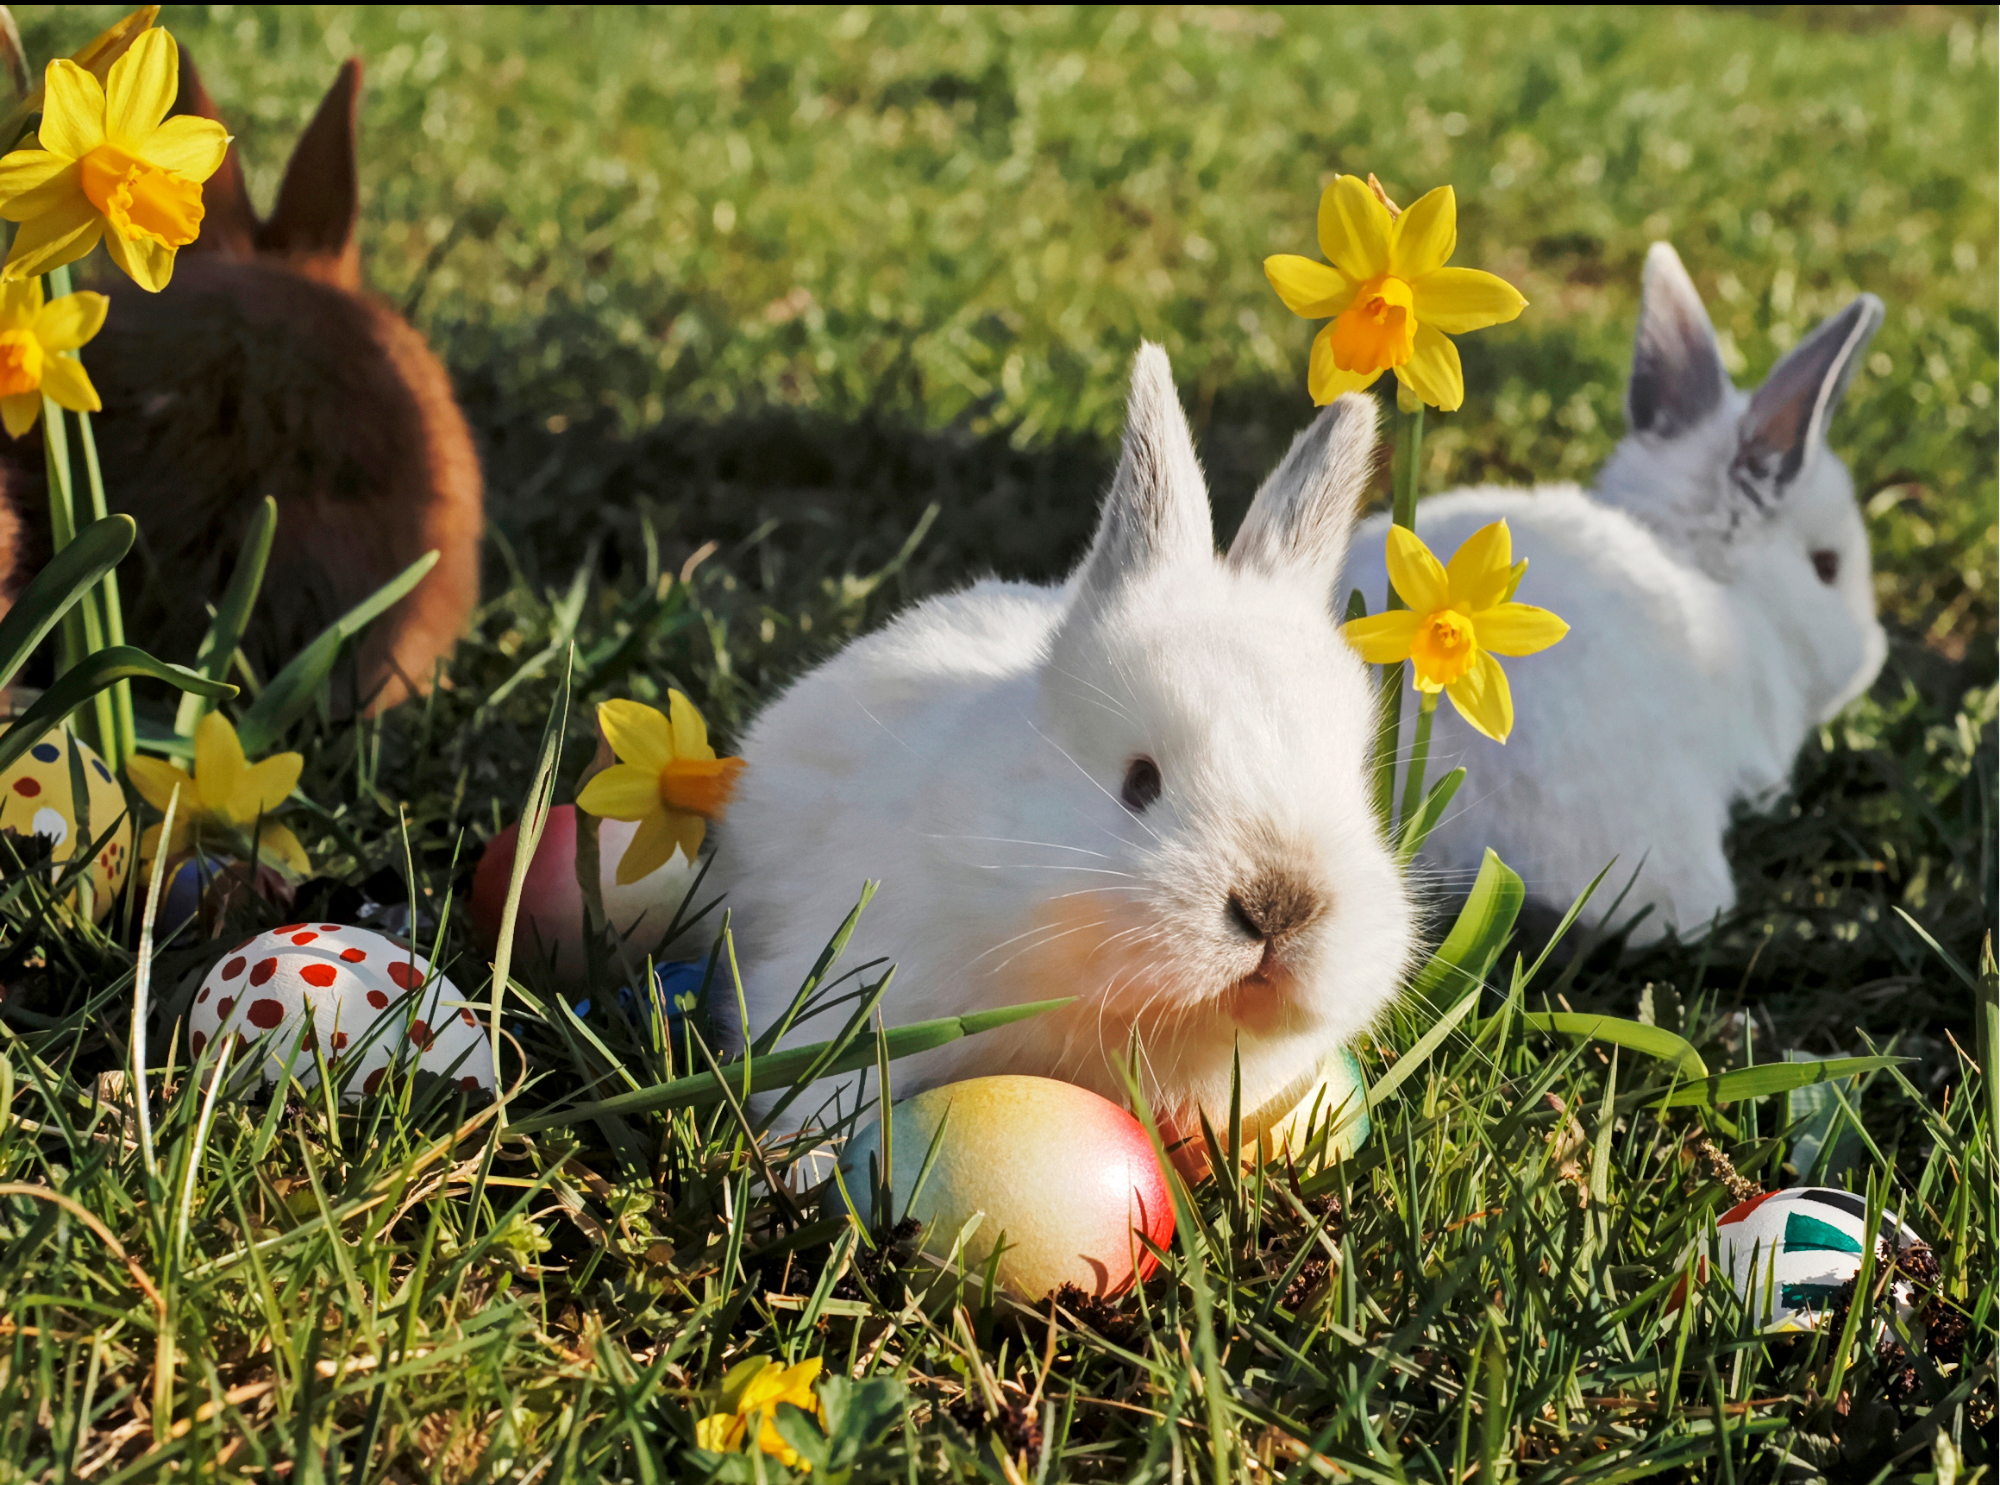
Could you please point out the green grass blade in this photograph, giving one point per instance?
(534, 817)
(780, 1069)
(1428, 1043)
(290, 692)
(232, 615)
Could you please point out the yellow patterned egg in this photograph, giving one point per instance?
(36, 799)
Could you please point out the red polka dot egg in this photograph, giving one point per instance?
(367, 1001)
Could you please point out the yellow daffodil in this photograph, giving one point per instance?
(667, 777)
(96, 57)
(1459, 617)
(109, 164)
(33, 335)
(757, 1387)
(225, 796)
(1392, 299)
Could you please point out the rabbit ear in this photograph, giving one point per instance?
(1303, 514)
(1157, 512)
(1678, 378)
(1788, 415)
(228, 225)
(319, 200)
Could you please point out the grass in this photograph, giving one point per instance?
(781, 281)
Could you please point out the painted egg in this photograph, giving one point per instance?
(1065, 1178)
(218, 882)
(1322, 1116)
(1789, 1253)
(367, 1000)
(550, 926)
(36, 799)
(1334, 1104)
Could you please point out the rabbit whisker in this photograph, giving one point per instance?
(1004, 840)
(1110, 702)
(1044, 943)
(1087, 774)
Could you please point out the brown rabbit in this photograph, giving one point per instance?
(264, 368)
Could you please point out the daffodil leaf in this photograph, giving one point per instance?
(84, 680)
(232, 615)
(1654, 1041)
(291, 691)
(1770, 1078)
(1419, 826)
(1470, 950)
(70, 574)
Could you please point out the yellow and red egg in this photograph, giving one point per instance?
(1063, 1181)
(36, 799)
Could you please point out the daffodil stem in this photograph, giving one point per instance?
(1409, 462)
(1389, 715)
(114, 608)
(82, 631)
(1420, 752)
(98, 620)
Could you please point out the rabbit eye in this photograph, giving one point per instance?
(1827, 564)
(1142, 784)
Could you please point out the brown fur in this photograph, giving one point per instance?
(264, 368)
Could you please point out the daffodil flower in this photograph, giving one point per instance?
(224, 797)
(95, 57)
(1392, 299)
(110, 165)
(752, 1393)
(667, 778)
(33, 335)
(1459, 617)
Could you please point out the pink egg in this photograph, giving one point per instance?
(1066, 1177)
(549, 928)
(366, 1001)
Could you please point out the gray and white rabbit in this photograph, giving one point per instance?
(1146, 788)
(1718, 590)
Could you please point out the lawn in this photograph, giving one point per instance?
(768, 287)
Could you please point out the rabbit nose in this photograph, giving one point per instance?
(1273, 907)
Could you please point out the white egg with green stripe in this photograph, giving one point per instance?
(1791, 1254)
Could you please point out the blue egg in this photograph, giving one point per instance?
(683, 977)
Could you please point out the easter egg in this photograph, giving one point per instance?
(550, 926)
(368, 1001)
(1334, 1104)
(36, 799)
(217, 883)
(1064, 1178)
(1789, 1253)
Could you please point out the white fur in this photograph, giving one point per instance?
(1703, 645)
(970, 758)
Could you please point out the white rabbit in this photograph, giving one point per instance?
(1718, 590)
(1146, 788)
